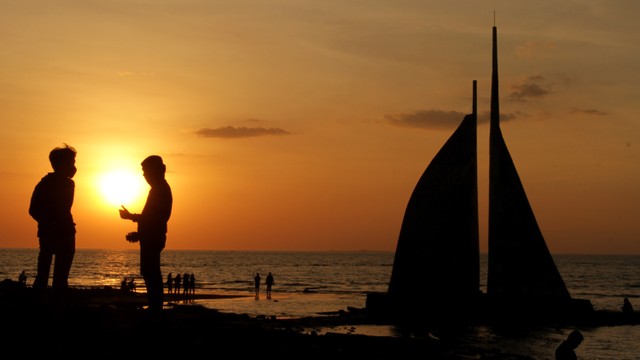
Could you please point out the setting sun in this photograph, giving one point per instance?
(121, 187)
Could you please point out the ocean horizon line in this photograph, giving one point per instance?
(302, 251)
(218, 250)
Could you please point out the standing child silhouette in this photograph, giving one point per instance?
(50, 206)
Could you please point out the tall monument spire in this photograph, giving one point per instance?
(495, 95)
(520, 264)
(474, 109)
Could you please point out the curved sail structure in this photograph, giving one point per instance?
(436, 265)
(520, 265)
(437, 257)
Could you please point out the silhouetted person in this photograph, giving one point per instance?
(192, 284)
(50, 206)
(22, 278)
(627, 308)
(566, 350)
(132, 285)
(152, 228)
(185, 284)
(123, 285)
(256, 281)
(177, 281)
(169, 284)
(269, 282)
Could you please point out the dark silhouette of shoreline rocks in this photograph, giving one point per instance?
(104, 322)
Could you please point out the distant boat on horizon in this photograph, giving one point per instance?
(436, 270)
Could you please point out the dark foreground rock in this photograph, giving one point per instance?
(108, 324)
(186, 330)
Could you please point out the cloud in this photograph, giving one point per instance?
(429, 119)
(440, 119)
(589, 112)
(232, 132)
(531, 87)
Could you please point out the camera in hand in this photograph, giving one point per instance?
(133, 237)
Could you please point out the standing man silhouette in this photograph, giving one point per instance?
(256, 283)
(50, 206)
(192, 284)
(269, 283)
(152, 229)
(169, 284)
(176, 282)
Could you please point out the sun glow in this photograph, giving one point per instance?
(121, 187)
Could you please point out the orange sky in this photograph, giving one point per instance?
(305, 125)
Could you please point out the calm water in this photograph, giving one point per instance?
(308, 283)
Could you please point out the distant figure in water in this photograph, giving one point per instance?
(270, 283)
(256, 281)
(152, 228)
(627, 308)
(50, 206)
(176, 282)
(169, 283)
(185, 284)
(566, 350)
(192, 284)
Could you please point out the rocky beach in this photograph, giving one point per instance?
(107, 323)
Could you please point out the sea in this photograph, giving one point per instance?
(321, 283)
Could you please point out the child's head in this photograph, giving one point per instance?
(63, 160)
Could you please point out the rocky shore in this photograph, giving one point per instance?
(107, 323)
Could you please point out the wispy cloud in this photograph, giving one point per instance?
(439, 119)
(531, 87)
(589, 112)
(232, 132)
(431, 119)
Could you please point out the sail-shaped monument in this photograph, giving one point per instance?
(520, 266)
(435, 271)
(436, 262)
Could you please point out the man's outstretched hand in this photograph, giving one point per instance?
(124, 213)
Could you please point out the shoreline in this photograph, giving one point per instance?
(103, 323)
